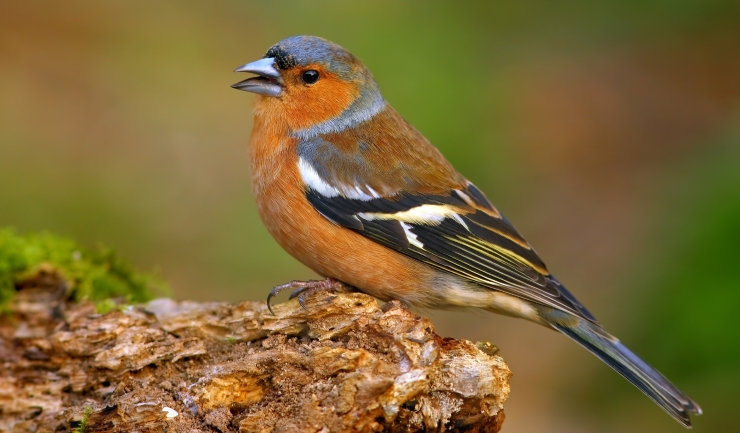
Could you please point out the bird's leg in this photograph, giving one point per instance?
(327, 285)
(301, 289)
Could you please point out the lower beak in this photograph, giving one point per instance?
(268, 81)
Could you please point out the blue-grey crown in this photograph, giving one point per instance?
(305, 50)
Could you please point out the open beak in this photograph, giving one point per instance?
(267, 82)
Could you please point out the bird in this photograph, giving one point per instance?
(353, 191)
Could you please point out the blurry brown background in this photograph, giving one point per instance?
(608, 133)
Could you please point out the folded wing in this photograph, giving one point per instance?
(459, 232)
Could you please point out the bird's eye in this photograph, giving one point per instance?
(310, 76)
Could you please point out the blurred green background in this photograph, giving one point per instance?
(609, 132)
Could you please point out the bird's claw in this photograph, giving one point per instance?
(301, 289)
(320, 286)
(277, 289)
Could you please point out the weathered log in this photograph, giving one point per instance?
(342, 364)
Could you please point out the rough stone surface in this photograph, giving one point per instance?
(342, 364)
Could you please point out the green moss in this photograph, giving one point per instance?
(96, 275)
(83, 422)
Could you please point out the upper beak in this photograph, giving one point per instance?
(267, 82)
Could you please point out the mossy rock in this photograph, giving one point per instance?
(98, 275)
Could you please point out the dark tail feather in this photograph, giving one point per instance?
(623, 361)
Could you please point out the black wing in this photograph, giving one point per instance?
(459, 232)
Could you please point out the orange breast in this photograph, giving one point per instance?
(328, 249)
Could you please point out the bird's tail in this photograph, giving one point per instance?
(623, 361)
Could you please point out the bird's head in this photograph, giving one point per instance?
(313, 85)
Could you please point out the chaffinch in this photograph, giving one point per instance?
(353, 191)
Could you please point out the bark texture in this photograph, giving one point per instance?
(342, 364)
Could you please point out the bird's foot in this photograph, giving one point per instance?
(301, 289)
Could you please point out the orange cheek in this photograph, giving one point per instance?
(307, 106)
